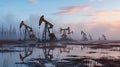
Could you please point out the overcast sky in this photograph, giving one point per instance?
(95, 17)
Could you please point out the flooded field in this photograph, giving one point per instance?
(60, 55)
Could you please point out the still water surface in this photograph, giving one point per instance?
(12, 54)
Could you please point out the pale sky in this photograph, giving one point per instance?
(96, 17)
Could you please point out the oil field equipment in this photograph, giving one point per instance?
(84, 36)
(48, 26)
(90, 37)
(65, 32)
(28, 32)
(104, 37)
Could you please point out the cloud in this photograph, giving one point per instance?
(72, 9)
(106, 13)
(33, 1)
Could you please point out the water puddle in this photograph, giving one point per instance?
(60, 55)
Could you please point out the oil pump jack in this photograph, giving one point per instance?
(90, 37)
(28, 51)
(84, 36)
(28, 31)
(48, 26)
(64, 32)
(104, 37)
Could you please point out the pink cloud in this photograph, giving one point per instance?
(72, 10)
(106, 13)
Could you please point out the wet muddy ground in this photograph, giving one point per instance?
(70, 54)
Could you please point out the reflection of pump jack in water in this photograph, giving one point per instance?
(28, 31)
(47, 28)
(64, 33)
(28, 52)
(84, 36)
(48, 53)
(66, 50)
